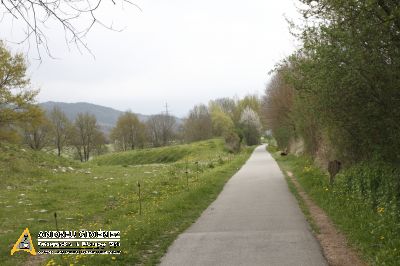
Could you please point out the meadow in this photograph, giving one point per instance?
(177, 183)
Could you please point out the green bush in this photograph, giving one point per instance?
(377, 183)
(283, 135)
(232, 142)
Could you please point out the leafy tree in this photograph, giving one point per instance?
(16, 99)
(251, 126)
(221, 122)
(342, 88)
(252, 101)
(223, 126)
(227, 105)
(348, 72)
(60, 125)
(129, 133)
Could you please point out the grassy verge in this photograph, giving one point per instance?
(375, 233)
(302, 204)
(101, 195)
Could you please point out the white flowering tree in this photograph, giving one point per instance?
(251, 126)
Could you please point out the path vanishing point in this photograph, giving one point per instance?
(254, 221)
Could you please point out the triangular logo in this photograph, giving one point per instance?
(24, 243)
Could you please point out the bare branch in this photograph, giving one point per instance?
(36, 15)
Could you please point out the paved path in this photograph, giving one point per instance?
(254, 221)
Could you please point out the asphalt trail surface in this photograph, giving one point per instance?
(254, 221)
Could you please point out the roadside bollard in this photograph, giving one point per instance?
(140, 198)
(197, 169)
(55, 218)
(187, 175)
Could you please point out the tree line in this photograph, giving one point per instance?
(337, 99)
(237, 121)
(22, 120)
(340, 92)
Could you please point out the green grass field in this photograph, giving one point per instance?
(102, 194)
(375, 232)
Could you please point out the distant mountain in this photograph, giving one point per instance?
(106, 117)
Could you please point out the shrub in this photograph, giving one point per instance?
(232, 142)
(375, 182)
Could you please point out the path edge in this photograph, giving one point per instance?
(334, 244)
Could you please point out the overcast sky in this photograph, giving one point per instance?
(183, 52)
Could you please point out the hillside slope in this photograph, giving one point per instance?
(106, 117)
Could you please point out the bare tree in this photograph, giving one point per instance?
(36, 131)
(161, 129)
(60, 127)
(85, 134)
(167, 132)
(76, 18)
(278, 102)
(129, 133)
(278, 110)
(198, 125)
(99, 143)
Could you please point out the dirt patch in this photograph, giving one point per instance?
(334, 244)
(36, 260)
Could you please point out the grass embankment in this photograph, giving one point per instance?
(102, 194)
(168, 154)
(370, 223)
